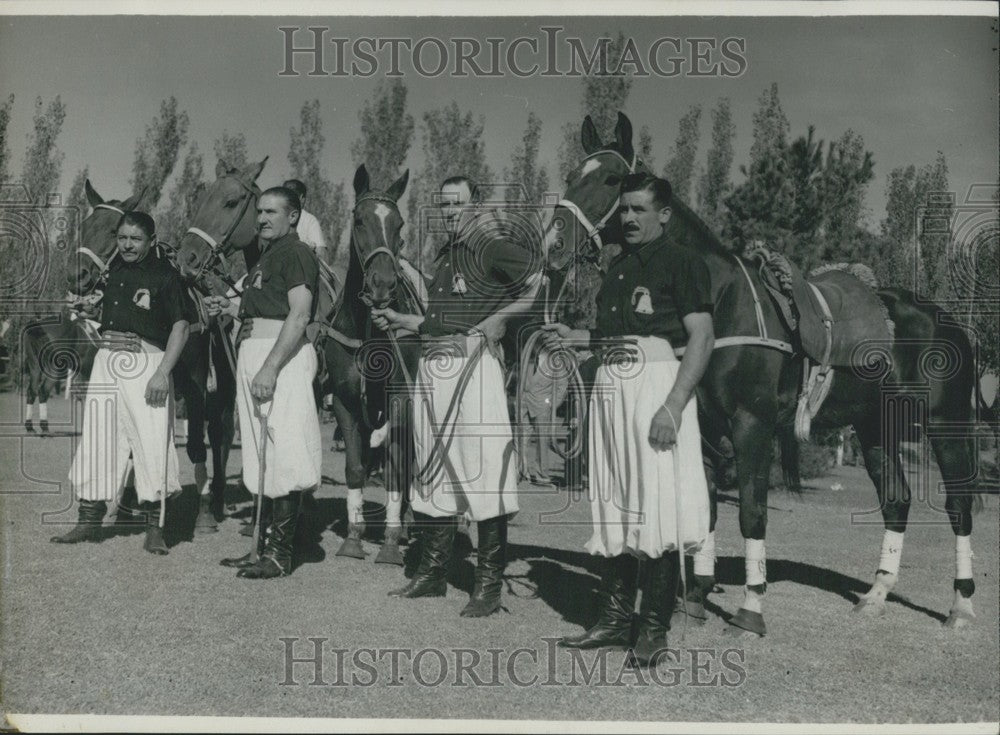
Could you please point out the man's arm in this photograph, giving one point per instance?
(495, 325)
(292, 332)
(667, 420)
(158, 387)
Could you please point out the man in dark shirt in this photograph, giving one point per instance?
(462, 432)
(275, 369)
(647, 503)
(145, 316)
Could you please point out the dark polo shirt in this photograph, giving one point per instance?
(475, 279)
(284, 264)
(648, 290)
(147, 298)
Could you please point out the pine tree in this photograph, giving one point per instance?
(525, 170)
(680, 166)
(5, 112)
(232, 149)
(157, 151)
(183, 197)
(43, 160)
(714, 185)
(386, 133)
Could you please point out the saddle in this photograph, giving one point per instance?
(831, 313)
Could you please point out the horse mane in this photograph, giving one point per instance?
(687, 228)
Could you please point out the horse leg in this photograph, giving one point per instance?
(752, 442)
(398, 459)
(221, 406)
(190, 380)
(886, 474)
(956, 460)
(354, 471)
(790, 459)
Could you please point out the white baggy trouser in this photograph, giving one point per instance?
(117, 421)
(478, 476)
(294, 458)
(637, 504)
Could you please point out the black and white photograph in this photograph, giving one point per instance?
(461, 367)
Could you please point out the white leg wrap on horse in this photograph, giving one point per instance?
(892, 550)
(393, 510)
(963, 557)
(43, 411)
(378, 436)
(756, 563)
(704, 558)
(29, 408)
(355, 503)
(201, 478)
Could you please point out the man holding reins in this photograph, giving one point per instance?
(274, 372)
(649, 495)
(463, 440)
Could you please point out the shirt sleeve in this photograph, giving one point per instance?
(300, 268)
(510, 261)
(692, 285)
(178, 303)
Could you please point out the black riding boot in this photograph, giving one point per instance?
(276, 561)
(154, 543)
(490, 564)
(437, 536)
(659, 594)
(90, 515)
(618, 592)
(247, 560)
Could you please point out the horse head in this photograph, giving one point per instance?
(590, 202)
(375, 236)
(98, 239)
(226, 221)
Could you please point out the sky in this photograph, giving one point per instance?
(910, 86)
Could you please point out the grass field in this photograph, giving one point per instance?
(107, 628)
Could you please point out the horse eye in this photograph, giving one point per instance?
(613, 180)
(232, 202)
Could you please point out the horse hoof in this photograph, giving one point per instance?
(746, 622)
(870, 608)
(246, 530)
(695, 614)
(352, 548)
(959, 619)
(389, 554)
(205, 522)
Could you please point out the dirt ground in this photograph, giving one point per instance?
(107, 628)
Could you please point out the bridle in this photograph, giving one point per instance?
(217, 248)
(594, 231)
(401, 279)
(102, 264)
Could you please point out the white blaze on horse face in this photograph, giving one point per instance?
(590, 166)
(382, 211)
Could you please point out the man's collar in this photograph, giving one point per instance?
(289, 236)
(646, 251)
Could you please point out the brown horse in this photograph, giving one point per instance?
(749, 390)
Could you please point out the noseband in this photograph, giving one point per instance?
(365, 295)
(217, 247)
(98, 261)
(594, 231)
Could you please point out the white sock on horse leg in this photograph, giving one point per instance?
(201, 478)
(892, 550)
(43, 411)
(29, 408)
(393, 510)
(756, 571)
(355, 503)
(704, 558)
(963, 557)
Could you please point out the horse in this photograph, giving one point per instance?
(750, 386)
(204, 355)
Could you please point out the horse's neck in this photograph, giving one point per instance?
(350, 316)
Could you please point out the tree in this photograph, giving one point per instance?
(680, 166)
(5, 110)
(43, 160)
(157, 151)
(714, 185)
(604, 94)
(645, 147)
(847, 172)
(524, 167)
(326, 200)
(232, 149)
(184, 195)
(77, 200)
(453, 145)
(386, 133)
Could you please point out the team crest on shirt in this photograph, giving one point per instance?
(141, 298)
(258, 279)
(641, 301)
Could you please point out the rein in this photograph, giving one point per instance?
(594, 231)
(217, 248)
(98, 261)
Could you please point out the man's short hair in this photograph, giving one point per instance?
(292, 200)
(456, 180)
(660, 188)
(297, 186)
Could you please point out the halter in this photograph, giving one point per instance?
(594, 231)
(382, 249)
(98, 261)
(217, 247)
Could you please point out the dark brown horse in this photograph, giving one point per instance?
(920, 385)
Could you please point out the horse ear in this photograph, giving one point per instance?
(588, 136)
(93, 198)
(361, 181)
(132, 203)
(395, 191)
(251, 172)
(221, 168)
(623, 134)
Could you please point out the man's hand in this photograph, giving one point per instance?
(554, 334)
(157, 389)
(262, 386)
(216, 305)
(663, 429)
(386, 319)
(493, 327)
